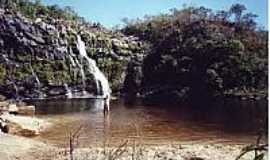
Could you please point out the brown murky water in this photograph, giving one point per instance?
(231, 122)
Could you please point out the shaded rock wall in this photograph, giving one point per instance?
(39, 58)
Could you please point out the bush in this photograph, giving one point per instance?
(203, 50)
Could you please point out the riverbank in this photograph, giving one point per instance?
(18, 119)
(23, 141)
(23, 125)
(247, 94)
(14, 147)
(19, 144)
(17, 125)
(10, 149)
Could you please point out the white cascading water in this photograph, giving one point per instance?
(35, 76)
(75, 62)
(40, 95)
(102, 83)
(72, 61)
(16, 89)
(68, 91)
(83, 76)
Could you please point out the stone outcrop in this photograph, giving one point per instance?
(133, 80)
(39, 58)
(3, 126)
(17, 119)
(16, 109)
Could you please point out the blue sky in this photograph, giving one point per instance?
(110, 12)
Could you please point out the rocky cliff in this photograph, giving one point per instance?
(39, 57)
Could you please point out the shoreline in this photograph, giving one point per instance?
(36, 149)
(21, 143)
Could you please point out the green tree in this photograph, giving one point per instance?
(237, 10)
(201, 51)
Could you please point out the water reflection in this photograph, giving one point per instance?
(229, 121)
(54, 107)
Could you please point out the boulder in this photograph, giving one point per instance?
(13, 109)
(56, 91)
(2, 98)
(4, 104)
(3, 126)
(35, 38)
(26, 110)
(20, 125)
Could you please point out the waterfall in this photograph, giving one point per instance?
(72, 61)
(35, 76)
(83, 75)
(5, 58)
(102, 84)
(75, 63)
(40, 95)
(68, 91)
(16, 89)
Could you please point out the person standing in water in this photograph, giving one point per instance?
(107, 103)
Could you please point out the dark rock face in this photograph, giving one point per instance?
(39, 59)
(137, 85)
(24, 45)
(20, 36)
(133, 80)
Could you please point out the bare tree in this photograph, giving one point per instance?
(74, 140)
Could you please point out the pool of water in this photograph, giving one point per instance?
(229, 121)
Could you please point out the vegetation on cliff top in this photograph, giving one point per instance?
(34, 8)
(198, 52)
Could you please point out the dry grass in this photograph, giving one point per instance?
(133, 149)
